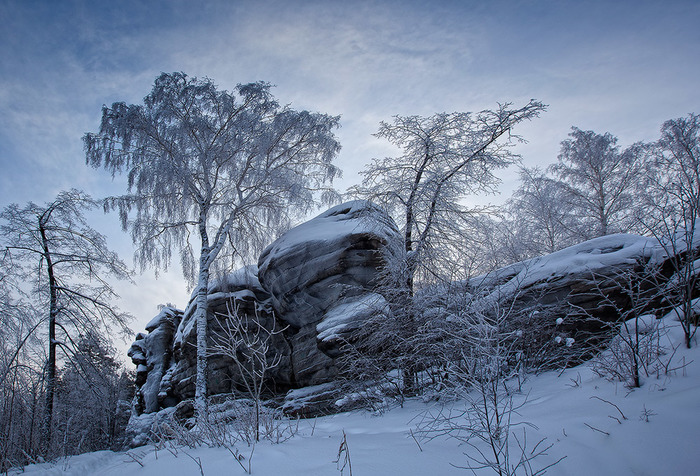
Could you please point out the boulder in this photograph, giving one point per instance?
(326, 269)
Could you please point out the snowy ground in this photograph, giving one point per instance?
(660, 435)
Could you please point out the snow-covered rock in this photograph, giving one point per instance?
(597, 256)
(319, 263)
(313, 287)
(239, 292)
(152, 353)
(320, 275)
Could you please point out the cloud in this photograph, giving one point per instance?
(622, 67)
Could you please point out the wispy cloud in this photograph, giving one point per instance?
(622, 67)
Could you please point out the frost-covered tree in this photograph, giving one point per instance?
(600, 181)
(539, 214)
(55, 249)
(220, 170)
(672, 210)
(445, 158)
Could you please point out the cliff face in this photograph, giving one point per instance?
(311, 288)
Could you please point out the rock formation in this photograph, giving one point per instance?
(319, 274)
(316, 284)
(153, 356)
(312, 287)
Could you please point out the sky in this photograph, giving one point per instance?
(622, 67)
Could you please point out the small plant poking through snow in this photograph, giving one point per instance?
(343, 459)
(647, 413)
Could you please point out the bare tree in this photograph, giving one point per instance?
(229, 168)
(672, 210)
(600, 182)
(69, 263)
(444, 158)
(246, 341)
(481, 353)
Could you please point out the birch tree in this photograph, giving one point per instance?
(221, 171)
(600, 181)
(68, 262)
(540, 214)
(445, 158)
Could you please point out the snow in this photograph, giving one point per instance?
(165, 313)
(639, 325)
(245, 277)
(573, 409)
(677, 313)
(349, 315)
(590, 256)
(334, 224)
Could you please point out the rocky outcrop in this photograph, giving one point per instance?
(320, 277)
(153, 356)
(312, 287)
(316, 284)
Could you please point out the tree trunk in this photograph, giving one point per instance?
(51, 361)
(200, 316)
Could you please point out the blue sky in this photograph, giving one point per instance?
(622, 67)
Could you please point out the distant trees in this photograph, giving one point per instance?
(21, 361)
(540, 213)
(87, 397)
(225, 170)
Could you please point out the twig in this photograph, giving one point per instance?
(344, 454)
(239, 457)
(596, 429)
(611, 403)
(414, 439)
(134, 458)
(198, 461)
